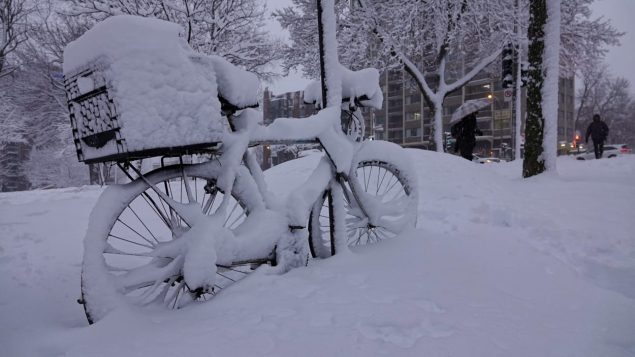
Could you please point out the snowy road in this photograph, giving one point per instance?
(499, 266)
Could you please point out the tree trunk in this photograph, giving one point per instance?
(533, 163)
(551, 64)
(438, 128)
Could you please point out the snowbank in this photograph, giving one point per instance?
(500, 266)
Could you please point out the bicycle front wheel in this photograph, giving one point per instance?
(125, 261)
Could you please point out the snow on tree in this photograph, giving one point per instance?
(583, 43)
(13, 31)
(233, 29)
(584, 40)
(12, 125)
(12, 132)
(36, 92)
(300, 20)
(549, 94)
(442, 44)
(463, 37)
(541, 131)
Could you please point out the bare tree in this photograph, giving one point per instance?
(590, 78)
(608, 96)
(13, 31)
(622, 129)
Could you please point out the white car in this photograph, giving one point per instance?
(485, 160)
(610, 151)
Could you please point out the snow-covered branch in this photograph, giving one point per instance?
(232, 29)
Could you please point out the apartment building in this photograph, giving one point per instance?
(406, 119)
(285, 105)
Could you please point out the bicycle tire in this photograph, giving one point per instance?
(128, 209)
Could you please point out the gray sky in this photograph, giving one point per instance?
(621, 60)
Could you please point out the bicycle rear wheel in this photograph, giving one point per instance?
(386, 185)
(125, 257)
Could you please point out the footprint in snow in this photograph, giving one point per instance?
(429, 306)
(402, 335)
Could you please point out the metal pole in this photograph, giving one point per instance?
(320, 11)
(329, 63)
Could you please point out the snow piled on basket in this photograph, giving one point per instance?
(164, 98)
(237, 86)
(355, 84)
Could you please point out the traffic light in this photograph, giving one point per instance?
(576, 140)
(508, 66)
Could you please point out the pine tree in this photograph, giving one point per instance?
(533, 163)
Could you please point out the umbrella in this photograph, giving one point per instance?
(469, 107)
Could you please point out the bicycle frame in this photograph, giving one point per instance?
(324, 128)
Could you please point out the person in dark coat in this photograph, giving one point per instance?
(465, 132)
(598, 130)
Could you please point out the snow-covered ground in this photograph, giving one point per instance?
(499, 266)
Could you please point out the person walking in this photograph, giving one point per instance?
(598, 130)
(465, 132)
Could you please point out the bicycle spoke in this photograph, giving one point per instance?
(129, 241)
(144, 225)
(381, 182)
(230, 214)
(232, 269)
(378, 172)
(232, 225)
(135, 231)
(226, 277)
(393, 185)
(188, 189)
(156, 209)
(210, 203)
(370, 174)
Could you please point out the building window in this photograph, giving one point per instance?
(394, 103)
(413, 116)
(394, 135)
(413, 133)
(414, 98)
(395, 120)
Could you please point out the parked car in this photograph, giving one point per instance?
(610, 151)
(485, 160)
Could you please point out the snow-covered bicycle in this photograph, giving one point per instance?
(185, 231)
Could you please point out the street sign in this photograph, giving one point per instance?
(508, 93)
